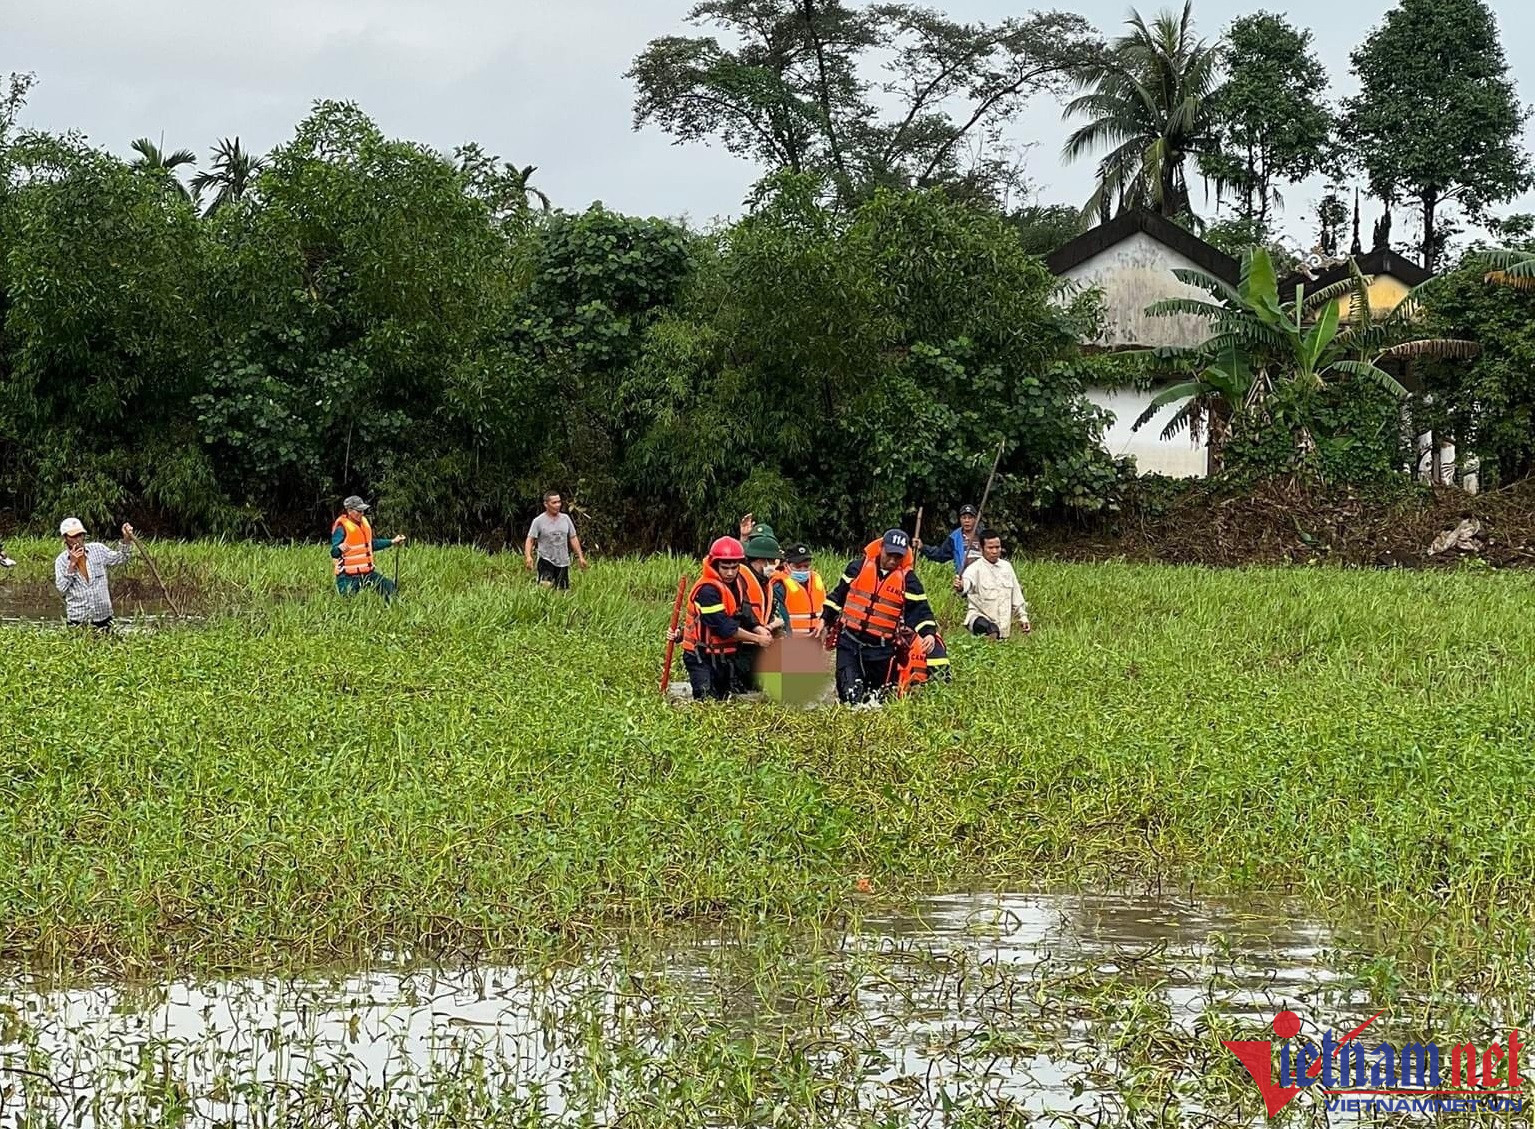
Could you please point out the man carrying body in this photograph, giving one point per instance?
(878, 607)
(352, 546)
(962, 547)
(720, 621)
(555, 536)
(763, 581)
(991, 589)
(80, 574)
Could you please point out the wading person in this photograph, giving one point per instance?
(881, 617)
(962, 547)
(804, 593)
(763, 581)
(992, 594)
(352, 546)
(80, 574)
(553, 534)
(720, 621)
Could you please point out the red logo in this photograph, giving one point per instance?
(1258, 1058)
(1356, 1078)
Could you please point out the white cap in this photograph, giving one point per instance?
(71, 527)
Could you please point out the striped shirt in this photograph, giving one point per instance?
(88, 601)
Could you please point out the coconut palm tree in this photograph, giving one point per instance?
(153, 159)
(1258, 340)
(233, 173)
(1148, 110)
(519, 181)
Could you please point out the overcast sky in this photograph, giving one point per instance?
(539, 83)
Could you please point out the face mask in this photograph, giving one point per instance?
(801, 575)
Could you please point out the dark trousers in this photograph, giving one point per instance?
(713, 677)
(375, 580)
(556, 576)
(984, 626)
(864, 670)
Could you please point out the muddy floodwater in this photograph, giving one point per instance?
(38, 605)
(1075, 1008)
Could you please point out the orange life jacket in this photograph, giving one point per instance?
(913, 668)
(696, 636)
(876, 607)
(356, 549)
(758, 593)
(803, 601)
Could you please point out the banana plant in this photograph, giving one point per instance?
(1258, 341)
(1510, 268)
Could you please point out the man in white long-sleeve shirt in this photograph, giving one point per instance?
(80, 574)
(991, 589)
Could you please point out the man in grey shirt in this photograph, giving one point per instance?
(554, 534)
(80, 574)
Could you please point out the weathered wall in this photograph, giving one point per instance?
(1386, 294)
(1177, 457)
(1132, 274)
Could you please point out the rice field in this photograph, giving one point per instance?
(485, 771)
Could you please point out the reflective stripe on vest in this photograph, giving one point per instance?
(356, 547)
(696, 636)
(803, 601)
(874, 606)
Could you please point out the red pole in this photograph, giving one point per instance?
(671, 644)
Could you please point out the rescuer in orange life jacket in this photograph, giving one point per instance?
(352, 544)
(881, 613)
(720, 621)
(804, 593)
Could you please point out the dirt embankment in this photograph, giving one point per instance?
(1280, 523)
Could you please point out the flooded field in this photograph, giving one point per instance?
(136, 607)
(1074, 1008)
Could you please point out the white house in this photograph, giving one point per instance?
(1131, 259)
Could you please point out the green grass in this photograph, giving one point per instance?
(486, 764)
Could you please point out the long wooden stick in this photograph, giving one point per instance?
(917, 536)
(671, 644)
(163, 587)
(996, 462)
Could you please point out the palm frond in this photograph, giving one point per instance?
(1184, 419)
(1432, 348)
(1211, 284)
(1364, 370)
(1170, 395)
(1194, 307)
(1324, 294)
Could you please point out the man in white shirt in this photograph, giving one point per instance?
(991, 589)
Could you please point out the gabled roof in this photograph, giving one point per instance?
(1371, 263)
(1164, 231)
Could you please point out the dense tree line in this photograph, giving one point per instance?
(360, 313)
(232, 351)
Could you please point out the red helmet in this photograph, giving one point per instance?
(726, 549)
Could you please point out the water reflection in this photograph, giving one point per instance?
(1067, 1006)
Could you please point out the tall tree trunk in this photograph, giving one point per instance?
(845, 187)
(1430, 248)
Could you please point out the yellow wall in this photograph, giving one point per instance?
(1386, 293)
